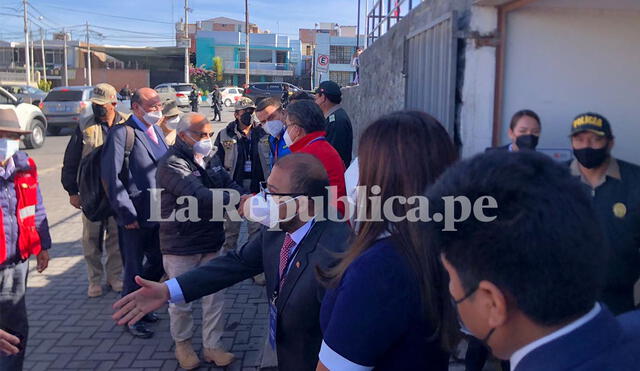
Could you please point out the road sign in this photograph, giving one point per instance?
(183, 43)
(322, 63)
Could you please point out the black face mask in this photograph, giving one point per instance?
(246, 118)
(99, 111)
(528, 142)
(591, 158)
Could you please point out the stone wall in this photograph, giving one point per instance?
(382, 84)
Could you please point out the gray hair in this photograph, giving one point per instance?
(185, 122)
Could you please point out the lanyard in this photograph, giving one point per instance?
(288, 265)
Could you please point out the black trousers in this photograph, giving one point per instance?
(216, 112)
(13, 311)
(141, 256)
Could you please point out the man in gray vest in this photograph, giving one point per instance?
(243, 149)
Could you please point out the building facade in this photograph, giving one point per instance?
(340, 50)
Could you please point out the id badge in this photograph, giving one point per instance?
(247, 166)
(273, 318)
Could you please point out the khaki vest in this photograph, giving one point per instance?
(230, 148)
(92, 137)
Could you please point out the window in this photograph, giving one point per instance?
(233, 91)
(341, 78)
(341, 54)
(275, 87)
(4, 99)
(64, 96)
(308, 50)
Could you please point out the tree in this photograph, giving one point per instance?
(218, 67)
(202, 77)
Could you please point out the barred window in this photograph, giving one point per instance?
(341, 54)
(341, 78)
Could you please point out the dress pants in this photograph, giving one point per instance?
(135, 246)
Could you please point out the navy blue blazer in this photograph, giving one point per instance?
(130, 201)
(605, 343)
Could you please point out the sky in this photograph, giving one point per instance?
(150, 22)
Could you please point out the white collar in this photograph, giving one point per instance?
(299, 233)
(522, 352)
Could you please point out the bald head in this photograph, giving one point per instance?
(191, 121)
(145, 100)
(305, 174)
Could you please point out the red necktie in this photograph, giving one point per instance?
(284, 255)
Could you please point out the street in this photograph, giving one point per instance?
(70, 331)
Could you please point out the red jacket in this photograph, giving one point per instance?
(315, 144)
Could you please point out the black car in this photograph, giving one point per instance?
(261, 90)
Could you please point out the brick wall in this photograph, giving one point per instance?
(117, 78)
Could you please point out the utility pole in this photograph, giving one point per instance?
(358, 28)
(26, 44)
(64, 53)
(32, 53)
(88, 57)
(44, 62)
(186, 35)
(246, 33)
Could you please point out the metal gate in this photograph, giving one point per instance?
(430, 69)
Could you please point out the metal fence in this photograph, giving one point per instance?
(384, 14)
(430, 69)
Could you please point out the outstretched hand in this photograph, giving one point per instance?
(149, 297)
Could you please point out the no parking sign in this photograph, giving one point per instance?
(322, 63)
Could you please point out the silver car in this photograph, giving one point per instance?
(178, 91)
(28, 94)
(67, 107)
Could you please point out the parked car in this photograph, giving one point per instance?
(261, 90)
(230, 95)
(67, 107)
(29, 94)
(29, 116)
(178, 91)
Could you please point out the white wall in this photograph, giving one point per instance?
(561, 61)
(476, 113)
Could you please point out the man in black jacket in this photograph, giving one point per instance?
(339, 130)
(189, 169)
(305, 243)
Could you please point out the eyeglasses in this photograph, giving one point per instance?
(265, 192)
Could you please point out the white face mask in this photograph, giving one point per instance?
(173, 123)
(273, 128)
(266, 212)
(152, 117)
(287, 138)
(351, 180)
(8, 148)
(203, 147)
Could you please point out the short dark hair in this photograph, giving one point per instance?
(268, 102)
(545, 250)
(306, 114)
(335, 99)
(300, 95)
(523, 113)
(308, 175)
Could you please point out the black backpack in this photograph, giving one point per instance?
(93, 199)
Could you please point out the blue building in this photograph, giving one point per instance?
(272, 57)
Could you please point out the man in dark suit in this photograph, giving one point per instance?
(288, 256)
(127, 187)
(526, 276)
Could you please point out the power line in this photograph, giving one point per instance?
(129, 31)
(107, 15)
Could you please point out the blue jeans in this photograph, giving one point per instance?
(13, 311)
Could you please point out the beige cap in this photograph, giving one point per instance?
(170, 108)
(9, 122)
(244, 103)
(104, 94)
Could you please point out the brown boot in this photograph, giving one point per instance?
(218, 356)
(116, 285)
(186, 356)
(94, 290)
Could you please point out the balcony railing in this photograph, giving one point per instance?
(263, 66)
(385, 14)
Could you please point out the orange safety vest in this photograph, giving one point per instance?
(26, 186)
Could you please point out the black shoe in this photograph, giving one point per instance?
(140, 330)
(150, 318)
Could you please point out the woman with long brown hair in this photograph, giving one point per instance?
(388, 307)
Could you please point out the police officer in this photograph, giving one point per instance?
(84, 140)
(339, 130)
(193, 98)
(243, 149)
(614, 185)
